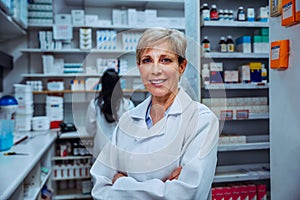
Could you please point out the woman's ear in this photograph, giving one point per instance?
(182, 66)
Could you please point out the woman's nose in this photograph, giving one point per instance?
(156, 68)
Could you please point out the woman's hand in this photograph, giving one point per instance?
(174, 175)
(118, 175)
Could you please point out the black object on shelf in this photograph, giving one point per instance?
(6, 62)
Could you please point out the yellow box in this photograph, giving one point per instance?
(279, 54)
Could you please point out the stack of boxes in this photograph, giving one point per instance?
(238, 108)
(40, 12)
(261, 41)
(54, 110)
(106, 39)
(249, 191)
(85, 38)
(24, 113)
(133, 17)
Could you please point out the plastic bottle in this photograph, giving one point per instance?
(230, 15)
(206, 44)
(222, 45)
(214, 13)
(221, 15)
(205, 12)
(225, 15)
(230, 44)
(205, 74)
(264, 73)
(241, 15)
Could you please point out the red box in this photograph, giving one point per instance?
(261, 192)
(244, 192)
(252, 192)
(236, 192)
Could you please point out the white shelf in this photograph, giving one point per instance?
(73, 196)
(162, 4)
(252, 116)
(234, 24)
(242, 173)
(235, 55)
(242, 147)
(36, 50)
(71, 178)
(71, 157)
(10, 29)
(74, 134)
(40, 75)
(236, 86)
(115, 27)
(36, 191)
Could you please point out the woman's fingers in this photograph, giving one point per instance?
(118, 175)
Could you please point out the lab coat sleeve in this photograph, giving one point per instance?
(195, 178)
(90, 120)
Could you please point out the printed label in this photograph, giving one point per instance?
(275, 52)
(287, 10)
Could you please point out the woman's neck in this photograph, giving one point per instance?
(160, 105)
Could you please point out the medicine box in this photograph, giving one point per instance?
(91, 20)
(243, 44)
(297, 7)
(62, 19)
(250, 14)
(288, 17)
(77, 17)
(244, 74)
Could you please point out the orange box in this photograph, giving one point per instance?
(279, 54)
(288, 17)
(297, 6)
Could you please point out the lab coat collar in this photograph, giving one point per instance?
(181, 102)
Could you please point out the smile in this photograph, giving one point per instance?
(157, 81)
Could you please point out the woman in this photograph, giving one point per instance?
(166, 147)
(105, 110)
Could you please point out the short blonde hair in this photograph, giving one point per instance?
(154, 36)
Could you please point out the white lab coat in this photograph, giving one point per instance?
(187, 136)
(97, 126)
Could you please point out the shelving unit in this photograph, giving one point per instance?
(12, 28)
(72, 168)
(26, 182)
(238, 162)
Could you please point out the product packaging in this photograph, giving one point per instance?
(288, 17)
(279, 54)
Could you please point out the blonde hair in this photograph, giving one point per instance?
(153, 36)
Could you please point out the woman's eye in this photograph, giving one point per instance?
(146, 60)
(166, 60)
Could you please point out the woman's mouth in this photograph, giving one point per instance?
(157, 81)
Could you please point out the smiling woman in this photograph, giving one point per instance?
(166, 147)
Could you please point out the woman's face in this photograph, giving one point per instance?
(160, 70)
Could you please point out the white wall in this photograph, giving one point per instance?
(285, 117)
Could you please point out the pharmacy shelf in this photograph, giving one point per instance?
(248, 172)
(73, 196)
(244, 147)
(114, 27)
(162, 4)
(71, 75)
(10, 29)
(252, 116)
(71, 178)
(68, 51)
(234, 24)
(237, 55)
(35, 191)
(82, 91)
(71, 157)
(237, 86)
